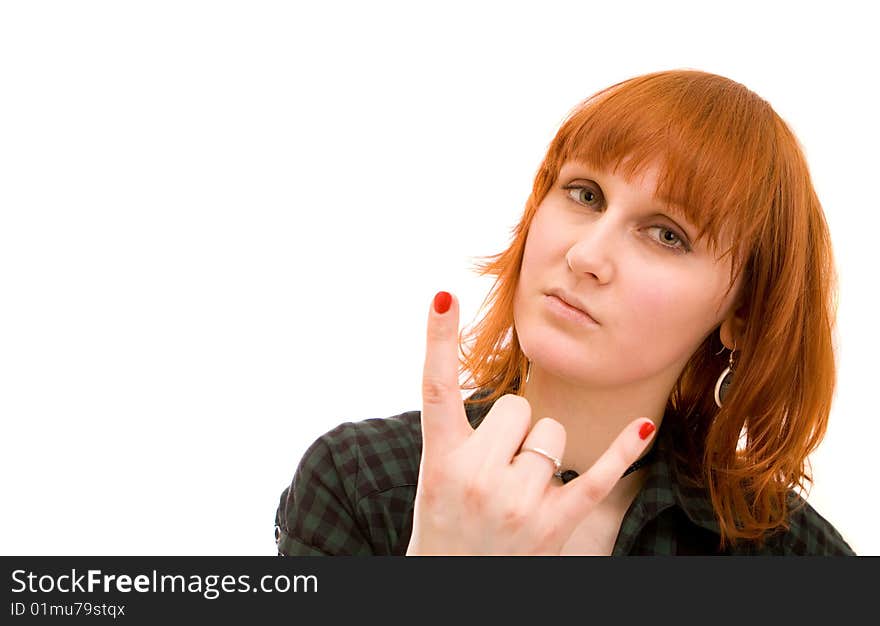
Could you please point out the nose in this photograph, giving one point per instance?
(591, 253)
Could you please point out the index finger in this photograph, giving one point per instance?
(444, 420)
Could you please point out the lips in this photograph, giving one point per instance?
(572, 301)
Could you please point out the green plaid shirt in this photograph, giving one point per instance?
(354, 490)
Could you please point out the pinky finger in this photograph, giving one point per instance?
(581, 495)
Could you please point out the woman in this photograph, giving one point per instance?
(654, 366)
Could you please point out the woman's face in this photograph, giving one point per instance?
(608, 247)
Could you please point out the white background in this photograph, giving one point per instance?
(223, 223)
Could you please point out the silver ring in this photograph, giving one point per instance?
(556, 462)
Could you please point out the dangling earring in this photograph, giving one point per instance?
(528, 370)
(724, 380)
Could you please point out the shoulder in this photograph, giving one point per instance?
(371, 454)
(812, 534)
(352, 489)
(808, 533)
(376, 454)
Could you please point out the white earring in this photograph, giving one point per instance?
(724, 380)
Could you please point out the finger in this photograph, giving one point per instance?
(535, 471)
(579, 496)
(500, 435)
(444, 420)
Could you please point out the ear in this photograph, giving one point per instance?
(732, 329)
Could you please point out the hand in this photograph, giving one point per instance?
(476, 494)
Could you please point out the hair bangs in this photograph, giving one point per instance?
(711, 139)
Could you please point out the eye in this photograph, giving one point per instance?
(677, 242)
(582, 194)
(669, 238)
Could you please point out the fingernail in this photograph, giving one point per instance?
(646, 429)
(442, 301)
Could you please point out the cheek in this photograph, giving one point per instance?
(654, 294)
(541, 249)
(681, 303)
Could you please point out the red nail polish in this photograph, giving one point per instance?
(442, 301)
(646, 430)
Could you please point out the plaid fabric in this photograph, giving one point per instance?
(354, 490)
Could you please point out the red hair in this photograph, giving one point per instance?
(735, 167)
